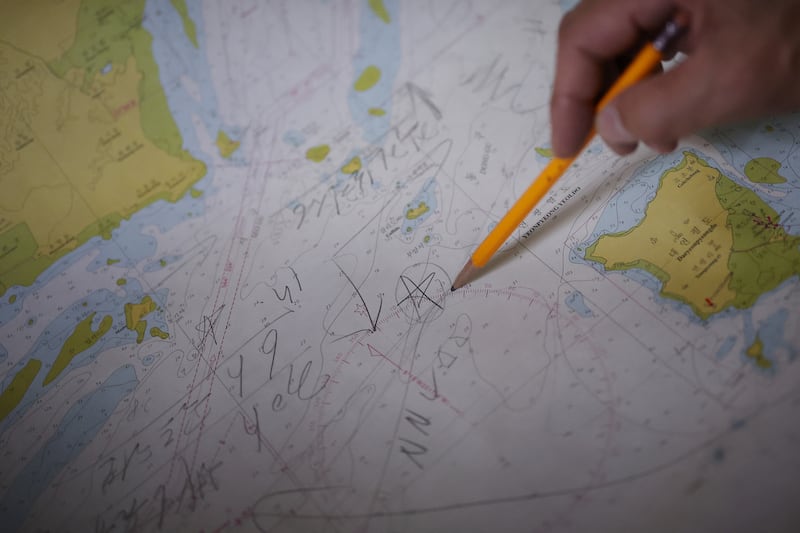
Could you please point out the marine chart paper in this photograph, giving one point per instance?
(228, 232)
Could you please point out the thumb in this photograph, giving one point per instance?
(663, 108)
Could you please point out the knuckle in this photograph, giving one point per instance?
(566, 28)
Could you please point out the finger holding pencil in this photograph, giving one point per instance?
(642, 65)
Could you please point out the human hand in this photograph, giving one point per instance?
(743, 61)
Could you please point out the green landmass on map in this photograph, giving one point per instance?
(134, 316)
(380, 10)
(367, 79)
(91, 137)
(81, 339)
(13, 394)
(188, 24)
(710, 242)
(352, 166)
(764, 170)
(158, 332)
(318, 153)
(226, 145)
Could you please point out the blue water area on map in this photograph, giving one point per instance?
(178, 58)
(771, 331)
(76, 430)
(771, 138)
(149, 359)
(751, 331)
(103, 303)
(130, 244)
(566, 5)
(162, 262)
(8, 311)
(294, 138)
(726, 347)
(427, 196)
(379, 45)
(576, 302)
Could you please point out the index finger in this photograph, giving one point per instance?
(590, 38)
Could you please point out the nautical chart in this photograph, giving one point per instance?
(228, 232)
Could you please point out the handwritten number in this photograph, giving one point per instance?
(269, 347)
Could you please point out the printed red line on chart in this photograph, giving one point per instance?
(373, 352)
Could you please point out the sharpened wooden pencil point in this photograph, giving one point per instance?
(465, 275)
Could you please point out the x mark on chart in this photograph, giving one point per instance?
(418, 299)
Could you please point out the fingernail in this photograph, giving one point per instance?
(610, 127)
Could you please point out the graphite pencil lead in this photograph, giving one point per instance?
(465, 275)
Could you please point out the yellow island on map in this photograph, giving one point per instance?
(756, 352)
(226, 145)
(134, 317)
(416, 212)
(711, 243)
(764, 170)
(89, 137)
(352, 166)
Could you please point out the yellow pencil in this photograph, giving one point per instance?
(642, 65)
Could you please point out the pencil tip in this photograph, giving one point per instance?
(452, 289)
(464, 276)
